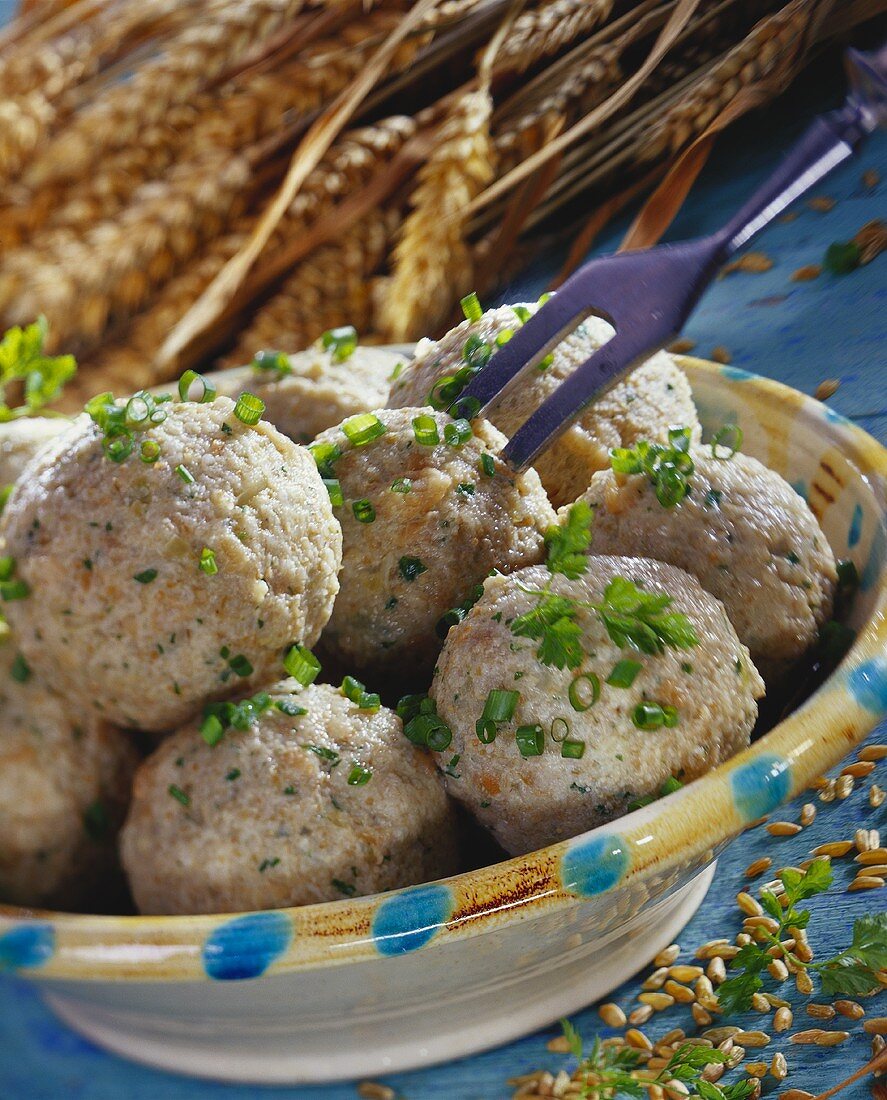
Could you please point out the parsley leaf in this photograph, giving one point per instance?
(568, 542)
(667, 467)
(855, 970)
(22, 359)
(641, 620)
(552, 622)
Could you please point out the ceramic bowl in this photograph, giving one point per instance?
(347, 988)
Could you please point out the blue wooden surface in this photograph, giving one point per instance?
(800, 333)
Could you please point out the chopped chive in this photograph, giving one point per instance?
(465, 489)
(240, 665)
(396, 373)
(359, 776)
(560, 730)
(410, 568)
(428, 731)
(179, 795)
(487, 464)
(363, 511)
(346, 888)
(624, 673)
(21, 670)
(292, 710)
(118, 447)
(471, 307)
(149, 451)
(504, 336)
(341, 342)
(530, 740)
(653, 716)
(363, 428)
(211, 729)
(268, 863)
(14, 590)
(301, 664)
(500, 705)
(572, 750)
(486, 730)
(5, 493)
(274, 361)
(425, 430)
(334, 488)
(584, 691)
(323, 753)
(522, 313)
(324, 455)
(7, 568)
(729, 437)
(670, 786)
(402, 485)
(207, 388)
(233, 774)
(248, 409)
(185, 474)
(146, 576)
(207, 562)
(457, 432)
(356, 691)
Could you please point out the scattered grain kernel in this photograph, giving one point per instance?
(372, 1090)
(869, 883)
(637, 1039)
(754, 263)
(676, 1089)
(701, 1017)
(782, 1020)
(681, 993)
(654, 1092)
(779, 1066)
(612, 1015)
(668, 955)
(867, 840)
(873, 752)
(640, 1015)
(803, 951)
(720, 354)
(560, 1044)
(758, 867)
(822, 203)
(851, 1009)
(756, 1069)
(808, 814)
(859, 769)
(685, 973)
(719, 1034)
(770, 924)
(681, 346)
(783, 828)
(827, 794)
(657, 1001)
(803, 983)
(878, 870)
(676, 1035)
(843, 787)
(703, 987)
(760, 1003)
(777, 1002)
(871, 177)
(832, 1038)
(834, 849)
(807, 274)
(748, 904)
(716, 971)
(656, 980)
(752, 1038)
(714, 1071)
(735, 1057)
(876, 796)
(742, 938)
(820, 1012)
(806, 1038)
(777, 970)
(877, 1025)
(877, 855)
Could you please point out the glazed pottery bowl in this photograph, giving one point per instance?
(362, 986)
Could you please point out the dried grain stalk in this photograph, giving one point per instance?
(332, 287)
(432, 260)
(547, 30)
(225, 35)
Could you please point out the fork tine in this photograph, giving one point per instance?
(602, 371)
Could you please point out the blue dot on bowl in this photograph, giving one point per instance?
(868, 684)
(408, 920)
(736, 374)
(855, 532)
(594, 865)
(800, 487)
(26, 946)
(761, 785)
(873, 568)
(246, 946)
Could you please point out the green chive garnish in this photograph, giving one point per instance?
(653, 716)
(428, 731)
(624, 673)
(341, 342)
(207, 562)
(500, 705)
(334, 488)
(471, 307)
(457, 432)
(359, 776)
(275, 361)
(211, 729)
(410, 568)
(402, 485)
(425, 430)
(14, 590)
(207, 388)
(325, 454)
(530, 740)
(486, 730)
(465, 489)
(146, 576)
(21, 670)
(179, 795)
(572, 750)
(249, 409)
(4, 496)
(301, 664)
(240, 665)
(363, 428)
(728, 438)
(487, 464)
(363, 510)
(584, 691)
(356, 691)
(185, 474)
(149, 451)
(233, 774)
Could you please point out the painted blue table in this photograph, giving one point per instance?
(800, 333)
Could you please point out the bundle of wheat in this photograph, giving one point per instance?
(143, 148)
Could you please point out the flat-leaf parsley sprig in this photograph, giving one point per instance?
(22, 359)
(854, 971)
(667, 466)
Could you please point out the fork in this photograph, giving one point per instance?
(648, 295)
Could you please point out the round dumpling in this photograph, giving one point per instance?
(64, 787)
(427, 511)
(311, 391)
(316, 800)
(577, 745)
(21, 439)
(644, 405)
(745, 534)
(148, 589)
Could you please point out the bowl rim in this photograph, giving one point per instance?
(666, 837)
